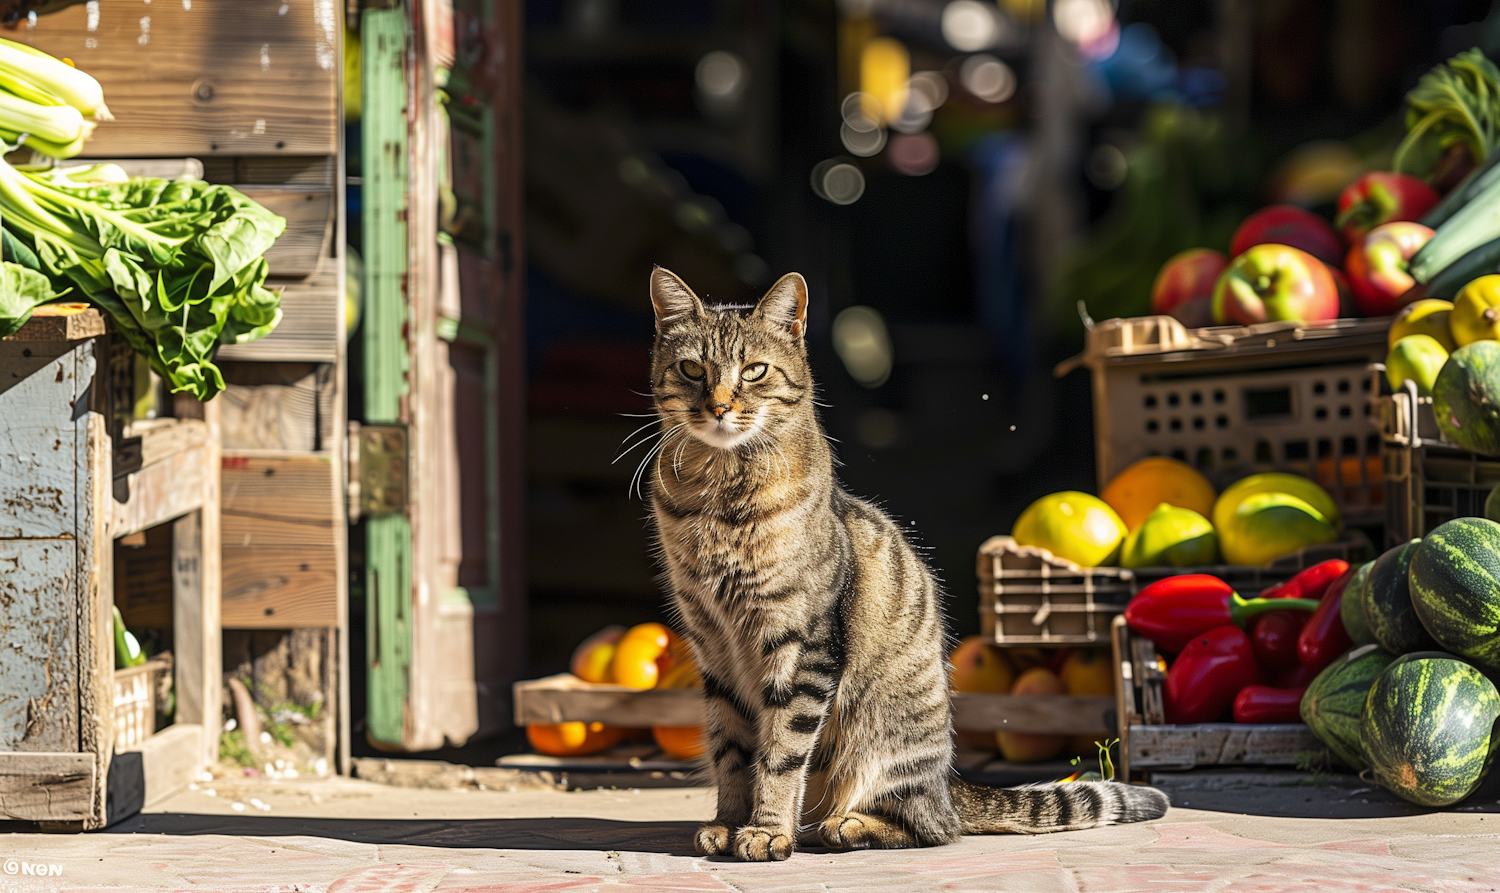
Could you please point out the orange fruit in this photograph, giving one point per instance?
(1020, 747)
(636, 654)
(682, 742)
(1089, 671)
(1149, 482)
(571, 739)
(592, 657)
(980, 666)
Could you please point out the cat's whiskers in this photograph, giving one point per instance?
(638, 478)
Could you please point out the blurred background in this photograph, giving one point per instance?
(957, 181)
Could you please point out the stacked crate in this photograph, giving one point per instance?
(249, 94)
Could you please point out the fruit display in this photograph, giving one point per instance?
(1386, 603)
(1161, 512)
(1378, 266)
(982, 667)
(1455, 588)
(1271, 282)
(1184, 287)
(1264, 516)
(1428, 316)
(1476, 312)
(1335, 701)
(1145, 484)
(1416, 357)
(1173, 611)
(1377, 198)
(1077, 526)
(1466, 397)
(644, 656)
(1427, 731)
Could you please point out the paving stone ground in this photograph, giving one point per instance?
(1240, 832)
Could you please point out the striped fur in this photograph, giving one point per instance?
(818, 630)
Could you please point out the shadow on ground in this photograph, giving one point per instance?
(667, 838)
(1304, 795)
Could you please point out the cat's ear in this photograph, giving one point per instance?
(672, 299)
(784, 307)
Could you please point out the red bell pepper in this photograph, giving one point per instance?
(1273, 635)
(1310, 583)
(1297, 677)
(1380, 197)
(1264, 704)
(1210, 671)
(1171, 612)
(1324, 637)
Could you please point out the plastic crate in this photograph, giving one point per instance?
(1028, 596)
(1235, 400)
(1429, 479)
(136, 702)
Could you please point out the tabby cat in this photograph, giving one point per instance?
(818, 630)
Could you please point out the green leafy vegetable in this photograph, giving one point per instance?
(178, 264)
(21, 290)
(1456, 103)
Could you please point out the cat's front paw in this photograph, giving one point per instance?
(758, 844)
(712, 839)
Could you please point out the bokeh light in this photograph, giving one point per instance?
(722, 75)
(969, 25)
(987, 78)
(862, 341)
(884, 71)
(862, 143)
(1089, 24)
(913, 154)
(1107, 167)
(837, 181)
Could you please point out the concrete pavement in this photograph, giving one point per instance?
(1229, 831)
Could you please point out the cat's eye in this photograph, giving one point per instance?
(754, 372)
(692, 370)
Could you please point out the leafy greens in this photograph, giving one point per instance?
(1456, 103)
(177, 264)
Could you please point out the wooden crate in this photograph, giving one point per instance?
(1147, 741)
(1431, 479)
(566, 698)
(136, 702)
(1030, 597)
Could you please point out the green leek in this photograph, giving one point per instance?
(49, 75)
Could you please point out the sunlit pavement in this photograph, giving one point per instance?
(340, 835)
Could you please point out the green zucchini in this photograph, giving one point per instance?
(1471, 185)
(1481, 261)
(1477, 223)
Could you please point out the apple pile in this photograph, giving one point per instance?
(647, 655)
(1286, 263)
(982, 667)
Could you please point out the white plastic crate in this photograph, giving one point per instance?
(1234, 400)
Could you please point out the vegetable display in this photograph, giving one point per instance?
(1173, 611)
(178, 265)
(1456, 105)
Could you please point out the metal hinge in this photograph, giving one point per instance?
(377, 470)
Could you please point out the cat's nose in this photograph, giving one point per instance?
(718, 409)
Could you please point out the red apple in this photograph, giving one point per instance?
(1377, 266)
(1184, 286)
(1275, 282)
(1381, 197)
(1289, 225)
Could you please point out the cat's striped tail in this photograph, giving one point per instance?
(1037, 809)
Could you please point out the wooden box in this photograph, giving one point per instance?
(251, 77)
(1147, 741)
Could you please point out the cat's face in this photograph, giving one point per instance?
(726, 375)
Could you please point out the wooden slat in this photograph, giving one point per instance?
(251, 77)
(566, 698)
(279, 542)
(277, 406)
(46, 787)
(73, 327)
(309, 325)
(1220, 744)
(143, 581)
(309, 228)
(170, 760)
(163, 490)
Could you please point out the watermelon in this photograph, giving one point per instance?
(1333, 703)
(1352, 608)
(1387, 603)
(1428, 730)
(1455, 588)
(1466, 397)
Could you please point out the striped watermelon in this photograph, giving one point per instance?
(1455, 588)
(1387, 603)
(1352, 609)
(1466, 397)
(1333, 703)
(1428, 730)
